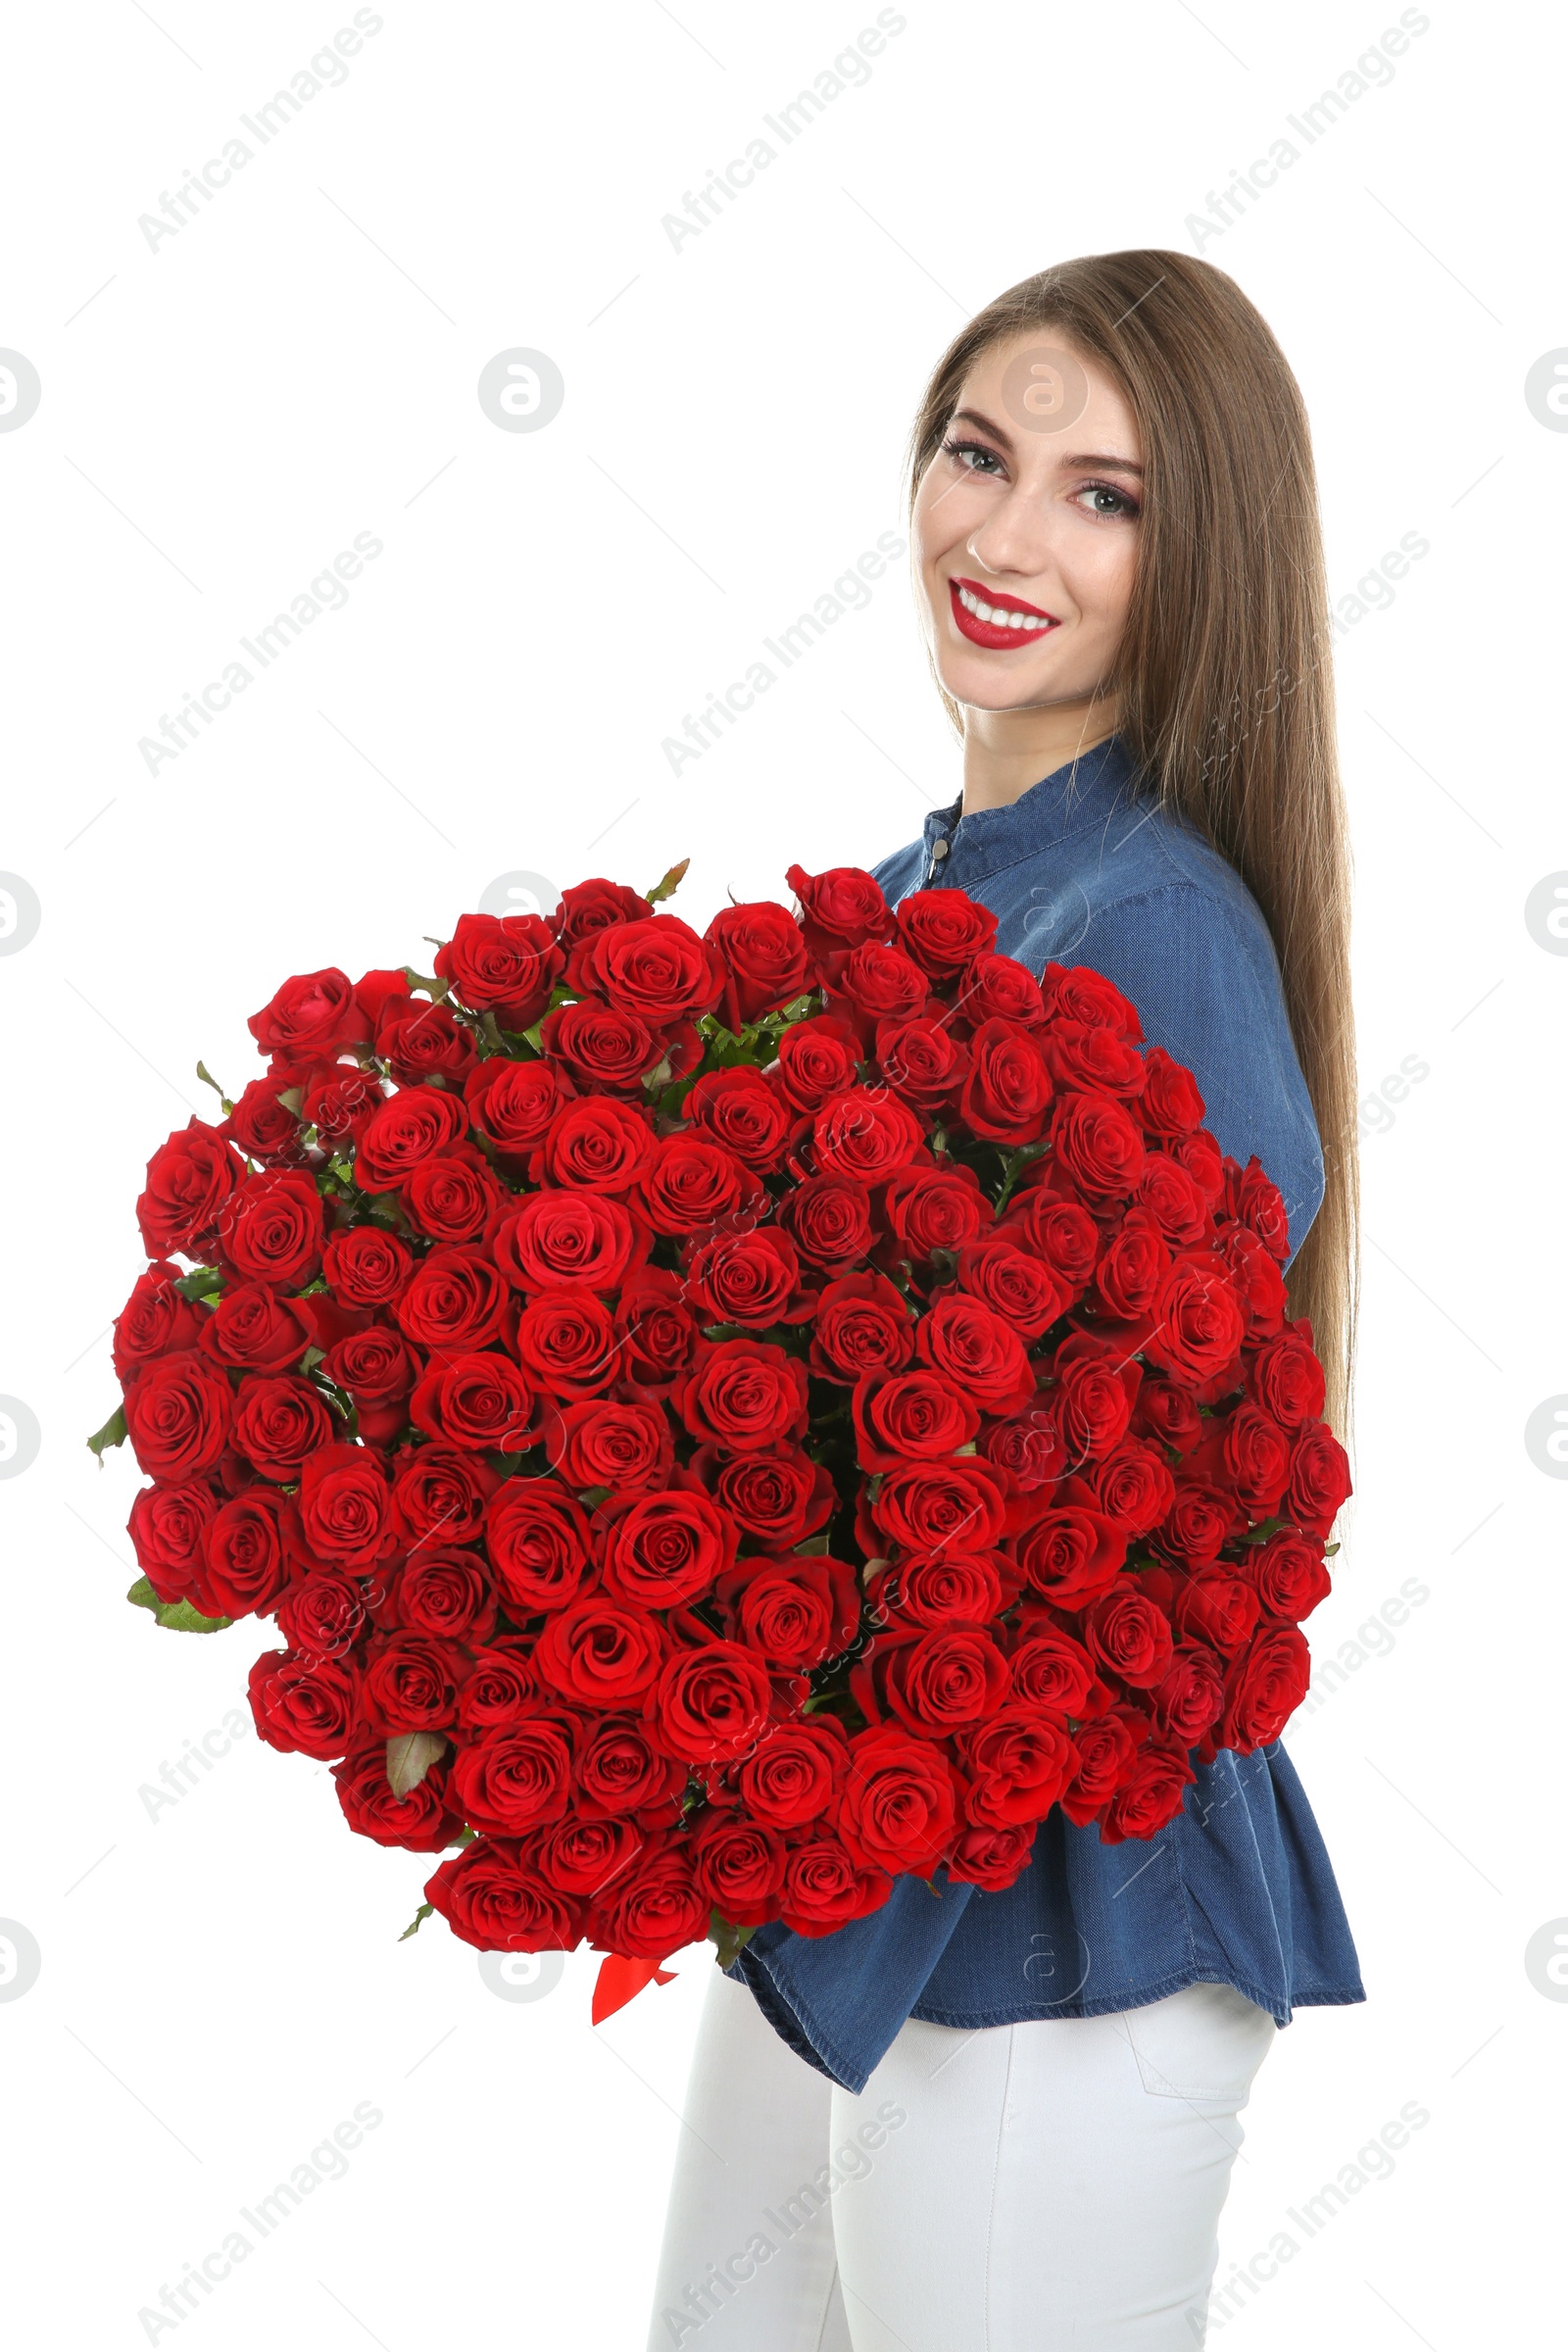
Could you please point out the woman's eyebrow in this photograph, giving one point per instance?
(973, 417)
(1103, 459)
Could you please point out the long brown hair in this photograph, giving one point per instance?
(1223, 679)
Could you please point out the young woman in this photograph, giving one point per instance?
(1002, 2123)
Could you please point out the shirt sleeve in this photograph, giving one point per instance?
(1208, 990)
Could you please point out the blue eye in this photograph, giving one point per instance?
(966, 450)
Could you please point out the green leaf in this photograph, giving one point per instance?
(417, 1921)
(177, 1615)
(731, 1941)
(201, 1284)
(112, 1432)
(672, 882)
(410, 1757)
(207, 1079)
(292, 1098)
(435, 989)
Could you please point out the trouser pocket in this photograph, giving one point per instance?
(1205, 2042)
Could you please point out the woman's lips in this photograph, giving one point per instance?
(990, 625)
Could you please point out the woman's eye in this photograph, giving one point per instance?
(973, 455)
(1105, 501)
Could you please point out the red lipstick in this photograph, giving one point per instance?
(997, 635)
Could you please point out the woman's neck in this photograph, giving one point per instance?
(1005, 752)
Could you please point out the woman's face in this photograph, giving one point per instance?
(1029, 509)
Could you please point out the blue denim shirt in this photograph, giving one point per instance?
(1238, 1888)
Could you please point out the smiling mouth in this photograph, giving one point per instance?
(998, 624)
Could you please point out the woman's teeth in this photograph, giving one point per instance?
(1001, 616)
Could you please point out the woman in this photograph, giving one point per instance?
(991, 2123)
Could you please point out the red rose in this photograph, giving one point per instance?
(1107, 1755)
(1190, 1697)
(625, 1448)
(928, 1506)
(1132, 1485)
(323, 1617)
(877, 983)
(249, 1548)
(825, 1886)
(1201, 1519)
(655, 966)
(751, 1278)
(479, 1401)
(177, 1414)
(620, 1771)
(1286, 1378)
(1029, 1446)
(942, 1588)
(250, 1327)
(279, 1422)
(155, 1319)
(775, 1498)
(419, 1822)
(501, 1686)
(900, 1803)
(1319, 1480)
(455, 1302)
(1170, 1104)
(1020, 1760)
(303, 1706)
(1129, 1636)
(1198, 1323)
(796, 1613)
(505, 963)
(1097, 1144)
(1072, 1555)
(764, 960)
(1049, 1669)
(189, 1181)
(828, 1218)
(740, 1111)
(1258, 1202)
(1077, 993)
(1152, 1796)
(581, 1857)
(656, 1331)
(936, 1209)
(446, 1595)
(937, 1683)
(421, 1040)
(991, 1858)
(601, 1044)
(1009, 1089)
(309, 1018)
(654, 1909)
(1200, 1155)
(1171, 1196)
(711, 1702)
(1217, 1608)
(1255, 1274)
(1135, 1263)
(366, 1266)
(513, 1102)
(944, 931)
(921, 1058)
(742, 1396)
(165, 1528)
(739, 1868)
(977, 1351)
(1061, 1232)
(596, 1144)
(405, 1131)
(795, 1773)
(816, 1058)
(567, 1343)
(346, 1508)
(340, 1100)
(861, 1325)
(1289, 1573)
(440, 1492)
(1169, 1413)
(270, 1227)
(997, 987)
(517, 1778)
(377, 1369)
(666, 1549)
(411, 1683)
(1086, 1055)
(598, 1655)
(489, 1898)
(1094, 1402)
(263, 1125)
(450, 1198)
(690, 1185)
(919, 1414)
(1014, 1285)
(839, 908)
(552, 1240)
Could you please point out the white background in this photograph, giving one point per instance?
(220, 417)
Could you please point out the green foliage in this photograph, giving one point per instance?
(204, 1282)
(112, 1432)
(177, 1615)
(667, 888)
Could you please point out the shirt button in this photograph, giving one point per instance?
(938, 849)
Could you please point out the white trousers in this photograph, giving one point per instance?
(1017, 2188)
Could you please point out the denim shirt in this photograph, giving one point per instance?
(1238, 1888)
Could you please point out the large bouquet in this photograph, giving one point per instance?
(720, 1420)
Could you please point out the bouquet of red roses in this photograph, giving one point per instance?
(720, 1420)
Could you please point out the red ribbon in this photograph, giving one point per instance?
(619, 1980)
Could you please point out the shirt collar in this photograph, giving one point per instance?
(1068, 801)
